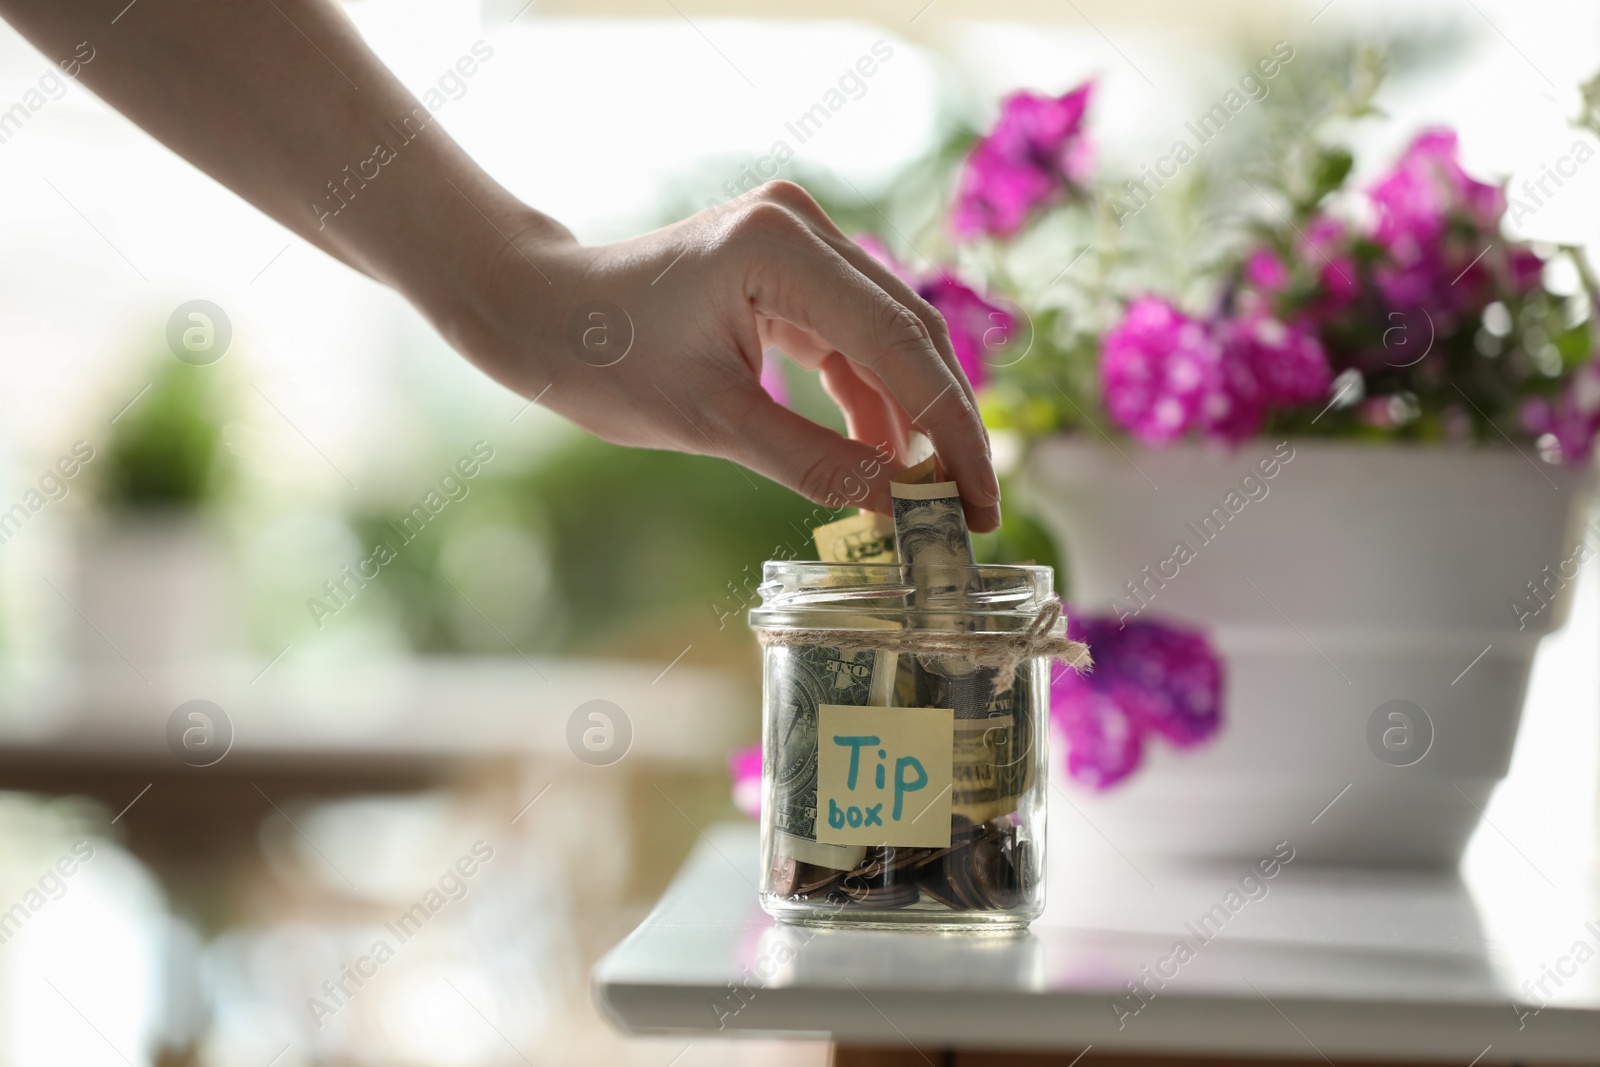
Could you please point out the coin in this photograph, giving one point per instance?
(963, 886)
(901, 859)
(931, 880)
(784, 877)
(812, 879)
(899, 895)
(993, 878)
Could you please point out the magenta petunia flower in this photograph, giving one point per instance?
(1434, 222)
(772, 379)
(1573, 420)
(1103, 744)
(1235, 410)
(1160, 372)
(1265, 271)
(1036, 152)
(977, 327)
(1526, 267)
(1149, 679)
(1287, 362)
(1164, 374)
(1426, 190)
(1325, 246)
(744, 767)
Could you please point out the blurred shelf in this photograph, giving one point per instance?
(405, 711)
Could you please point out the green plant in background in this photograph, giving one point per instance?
(166, 450)
(593, 549)
(598, 550)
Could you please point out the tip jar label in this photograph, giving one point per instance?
(884, 776)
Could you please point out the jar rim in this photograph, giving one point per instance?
(886, 568)
(1015, 591)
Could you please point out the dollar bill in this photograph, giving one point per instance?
(807, 677)
(813, 675)
(993, 728)
(991, 766)
(864, 538)
(931, 538)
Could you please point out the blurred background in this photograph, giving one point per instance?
(278, 664)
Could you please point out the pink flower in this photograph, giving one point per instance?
(1164, 374)
(1573, 420)
(1527, 269)
(1264, 271)
(1324, 246)
(1158, 369)
(1036, 151)
(772, 379)
(1234, 411)
(1287, 362)
(977, 327)
(1265, 364)
(1426, 189)
(1150, 679)
(744, 767)
(1434, 222)
(1103, 744)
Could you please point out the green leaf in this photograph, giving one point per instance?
(1331, 169)
(1575, 344)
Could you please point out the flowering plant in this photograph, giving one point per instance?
(1150, 680)
(1228, 292)
(1238, 288)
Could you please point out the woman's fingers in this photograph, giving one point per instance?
(812, 460)
(802, 346)
(802, 204)
(870, 416)
(809, 350)
(794, 275)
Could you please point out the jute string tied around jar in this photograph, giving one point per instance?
(1004, 652)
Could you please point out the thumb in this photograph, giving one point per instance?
(825, 467)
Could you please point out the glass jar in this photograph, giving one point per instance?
(903, 780)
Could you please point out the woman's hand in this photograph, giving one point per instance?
(289, 95)
(657, 342)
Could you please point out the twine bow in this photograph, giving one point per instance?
(1002, 651)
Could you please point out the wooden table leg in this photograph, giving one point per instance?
(904, 1056)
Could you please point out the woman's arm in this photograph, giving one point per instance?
(655, 341)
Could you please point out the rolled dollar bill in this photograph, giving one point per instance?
(931, 538)
(991, 768)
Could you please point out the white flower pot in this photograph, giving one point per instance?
(1365, 574)
(155, 594)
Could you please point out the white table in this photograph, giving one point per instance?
(1329, 966)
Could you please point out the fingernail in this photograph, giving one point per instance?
(991, 485)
